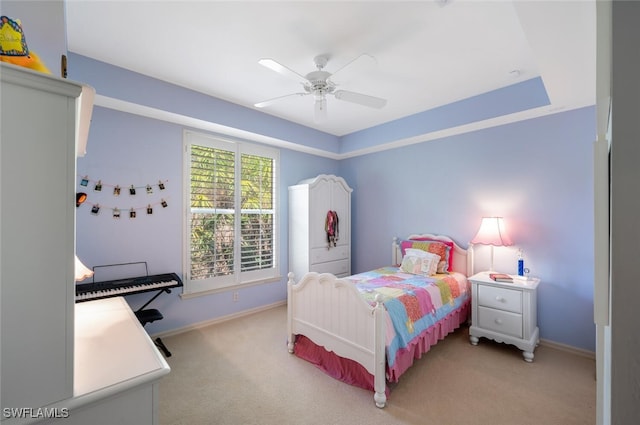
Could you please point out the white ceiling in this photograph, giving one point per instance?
(428, 53)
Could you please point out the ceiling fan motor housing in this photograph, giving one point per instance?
(318, 82)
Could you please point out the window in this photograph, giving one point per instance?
(231, 202)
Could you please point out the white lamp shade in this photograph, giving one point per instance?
(492, 232)
(81, 271)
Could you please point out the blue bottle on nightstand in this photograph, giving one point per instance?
(520, 263)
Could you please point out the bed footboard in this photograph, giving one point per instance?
(332, 313)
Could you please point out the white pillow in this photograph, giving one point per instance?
(425, 264)
(414, 252)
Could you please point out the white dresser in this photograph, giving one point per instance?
(309, 248)
(505, 312)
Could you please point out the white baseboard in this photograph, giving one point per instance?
(217, 320)
(568, 348)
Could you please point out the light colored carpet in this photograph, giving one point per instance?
(240, 372)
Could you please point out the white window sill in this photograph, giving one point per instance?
(188, 295)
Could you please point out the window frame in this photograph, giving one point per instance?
(238, 278)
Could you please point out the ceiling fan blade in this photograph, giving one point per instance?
(361, 99)
(276, 99)
(281, 69)
(355, 67)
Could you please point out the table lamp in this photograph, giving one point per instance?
(492, 232)
(81, 271)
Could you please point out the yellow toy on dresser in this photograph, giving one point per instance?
(13, 46)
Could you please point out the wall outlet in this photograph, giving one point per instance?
(236, 296)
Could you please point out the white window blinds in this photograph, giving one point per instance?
(232, 211)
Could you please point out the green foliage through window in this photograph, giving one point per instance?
(227, 213)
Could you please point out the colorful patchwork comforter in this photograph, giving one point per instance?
(414, 303)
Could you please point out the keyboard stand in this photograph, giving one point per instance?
(151, 315)
(144, 315)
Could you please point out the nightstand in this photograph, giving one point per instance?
(505, 312)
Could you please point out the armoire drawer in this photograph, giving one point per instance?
(500, 298)
(339, 268)
(500, 321)
(323, 255)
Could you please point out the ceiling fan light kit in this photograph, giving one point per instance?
(320, 109)
(319, 84)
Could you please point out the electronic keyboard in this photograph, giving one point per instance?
(121, 287)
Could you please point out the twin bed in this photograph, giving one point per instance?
(368, 328)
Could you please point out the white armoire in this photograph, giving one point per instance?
(310, 249)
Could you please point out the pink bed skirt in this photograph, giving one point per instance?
(351, 372)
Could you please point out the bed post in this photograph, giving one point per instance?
(380, 355)
(395, 261)
(290, 336)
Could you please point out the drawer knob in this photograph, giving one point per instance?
(498, 321)
(500, 299)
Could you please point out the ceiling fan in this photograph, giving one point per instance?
(319, 84)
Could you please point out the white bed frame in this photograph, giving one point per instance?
(332, 313)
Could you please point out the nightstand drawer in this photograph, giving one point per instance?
(499, 321)
(500, 298)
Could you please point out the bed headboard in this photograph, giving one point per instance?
(462, 259)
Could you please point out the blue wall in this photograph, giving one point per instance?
(126, 149)
(537, 174)
(515, 98)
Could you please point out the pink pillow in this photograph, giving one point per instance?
(441, 248)
(449, 256)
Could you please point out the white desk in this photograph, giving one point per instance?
(116, 368)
